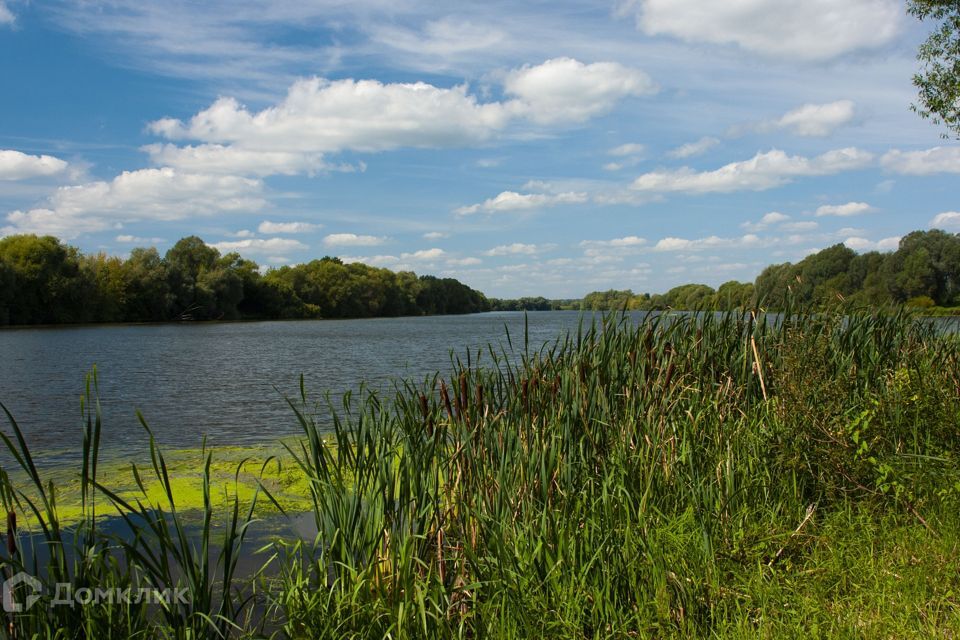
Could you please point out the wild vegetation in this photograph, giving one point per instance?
(44, 281)
(733, 476)
(923, 272)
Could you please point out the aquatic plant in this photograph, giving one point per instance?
(662, 475)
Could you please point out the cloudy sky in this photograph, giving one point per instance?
(526, 148)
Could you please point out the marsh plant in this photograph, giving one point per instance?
(673, 475)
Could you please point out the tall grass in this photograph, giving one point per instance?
(672, 476)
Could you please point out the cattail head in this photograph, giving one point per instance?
(12, 533)
(445, 396)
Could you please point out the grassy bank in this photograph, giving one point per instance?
(721, 476)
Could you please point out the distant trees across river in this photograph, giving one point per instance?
(923, 272)
(43, 281)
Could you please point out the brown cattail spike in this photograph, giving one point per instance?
(445, 396)
(12, 533)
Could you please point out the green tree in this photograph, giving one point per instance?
(938, 82)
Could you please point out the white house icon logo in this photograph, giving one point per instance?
(12, 606)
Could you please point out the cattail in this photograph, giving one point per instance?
(12, 533)
(446, 399)
(523, 391)
(479, 396)
(464, 395)
(425, 410)
(670, 370)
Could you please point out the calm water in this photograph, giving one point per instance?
(226, 381)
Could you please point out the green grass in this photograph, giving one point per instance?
(713, 476)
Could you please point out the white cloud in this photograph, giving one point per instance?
(513, 201)
(922, 163)
(352, 240)
(566, 90)
(946, 220)
(805, 225)
(844, 210)
(464, 262)
(818, 120)
(768, 219)
(435, 235)
(217, 158)
(711, 242)
(424, 254)
(377, 261)
(148, 194)
(626, 241)
(862, 244)
(764, 171)
(692, 149)
(320, 116)
(515, 249)
(287, 227)
(442, 38)
(15, 165)
(128, 239)
(6, 16)
(260, 246)
(629, 149)
(811, 30)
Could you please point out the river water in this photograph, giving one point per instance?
(226, 380)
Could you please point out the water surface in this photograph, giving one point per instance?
(226, 380)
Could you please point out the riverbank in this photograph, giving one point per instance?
(718, 475)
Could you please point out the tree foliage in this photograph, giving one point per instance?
(924, 271)
(44, 281)
(938, 82)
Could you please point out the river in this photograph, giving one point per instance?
(226, 380)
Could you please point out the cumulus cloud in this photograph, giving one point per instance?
(217, 158)
(629, 149)
(287, 227)
(352, 240)
(764, 171)
(424, 254)
(148, 194)
(567, 90)
(844, 210)
(862, 244)
(15, 165)
(692, 149)
(767, 220)
(811, 30)
(128, 239)
(804, 225)
(464, 262)
(260, 246)
(6, 16)
(711, 242)
(513, 201)
(818, 120)
(946, 220)
(626, 241)
(435, 235)
(515, 249)
(922, 163)
(320, 116)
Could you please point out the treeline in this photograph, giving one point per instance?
(923, 272)
(43, 281)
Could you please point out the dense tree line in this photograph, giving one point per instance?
(923, 272)
(45, 281)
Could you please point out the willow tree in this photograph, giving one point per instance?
(938, 81)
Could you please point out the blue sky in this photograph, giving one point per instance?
(535, 148)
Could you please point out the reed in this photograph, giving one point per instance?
(669, 475)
